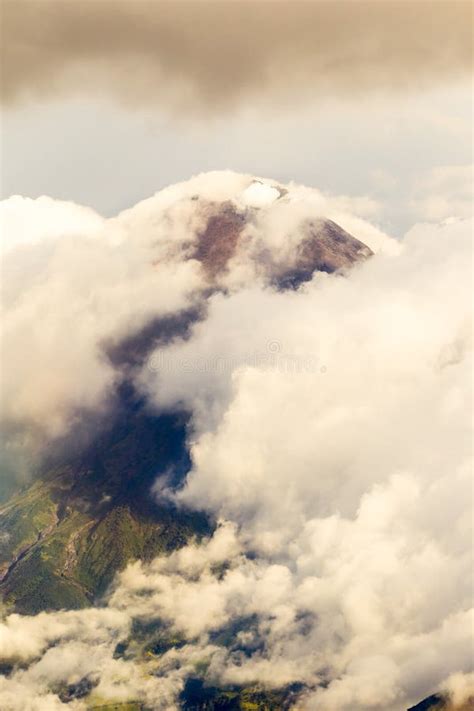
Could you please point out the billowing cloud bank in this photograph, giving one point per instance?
(212, 54)
(74, 283)
(331, 437)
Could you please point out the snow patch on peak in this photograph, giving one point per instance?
(260, 194)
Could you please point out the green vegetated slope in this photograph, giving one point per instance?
(198, 697)
(202, 698)
(63, 538)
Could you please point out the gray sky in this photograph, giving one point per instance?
(102, 108)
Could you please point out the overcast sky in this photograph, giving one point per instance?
(106, 107)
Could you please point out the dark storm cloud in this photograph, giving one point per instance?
(212, 54)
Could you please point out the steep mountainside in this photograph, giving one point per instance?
(64, 537)
(439, 702)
